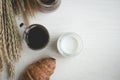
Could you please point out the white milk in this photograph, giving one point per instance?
(69, 44)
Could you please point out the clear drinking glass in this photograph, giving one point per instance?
(49, 5)
(36, 36)
(69, 44)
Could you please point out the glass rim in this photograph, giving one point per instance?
(27, 29)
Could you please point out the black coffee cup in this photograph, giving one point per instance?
(36, 36)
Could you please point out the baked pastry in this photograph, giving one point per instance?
(40, 70)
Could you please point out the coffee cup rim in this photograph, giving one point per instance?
(31, 27)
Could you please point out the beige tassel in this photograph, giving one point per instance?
(11, 41)
(1, 32)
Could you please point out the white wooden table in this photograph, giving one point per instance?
(98, 23)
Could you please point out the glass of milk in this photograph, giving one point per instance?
(69, 44)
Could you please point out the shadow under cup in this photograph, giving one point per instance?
(36, 36)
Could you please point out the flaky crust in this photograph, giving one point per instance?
(40, 70)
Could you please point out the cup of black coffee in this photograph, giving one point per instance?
(36, 36)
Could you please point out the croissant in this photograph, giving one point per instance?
(40, 70)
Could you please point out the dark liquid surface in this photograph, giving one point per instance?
(48, 2)
(37, 37)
